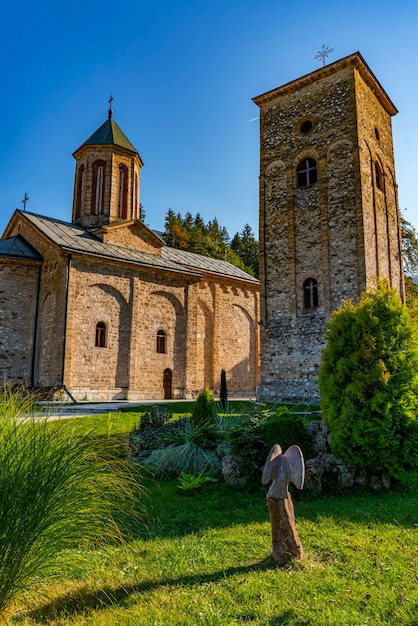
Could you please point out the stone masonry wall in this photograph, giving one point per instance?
(205, 332)
(18, 298)
(341, 231)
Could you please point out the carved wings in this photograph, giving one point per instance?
(283, 469)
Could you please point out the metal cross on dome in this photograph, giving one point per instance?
(325, 51)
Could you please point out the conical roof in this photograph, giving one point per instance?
(109, 133)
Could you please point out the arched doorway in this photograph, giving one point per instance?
(167, 380)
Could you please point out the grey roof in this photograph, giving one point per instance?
(206, 264)
(109, 133)
(75, 238)
(18, 248)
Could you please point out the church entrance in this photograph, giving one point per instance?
(167, 381)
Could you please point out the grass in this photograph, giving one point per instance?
(204, 559)
(58, 492)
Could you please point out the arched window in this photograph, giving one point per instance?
(310, 293)
(136, 195)
(79, 192)
(123, 191)
(100, 335)
(98, 185)
(161, 347)
(378, 176)
(306, 172)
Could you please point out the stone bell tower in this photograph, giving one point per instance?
(107, 178)
(329, 216)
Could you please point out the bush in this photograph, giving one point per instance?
(155, 431)
(204, 418)
(369, 383)
(258, 431)
(57, 491)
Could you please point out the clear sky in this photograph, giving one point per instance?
(183, 74)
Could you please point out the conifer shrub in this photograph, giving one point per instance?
(223, 394)
(204, 418)
(369, 383)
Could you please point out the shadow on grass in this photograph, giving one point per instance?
(84, 601)
(172, 513)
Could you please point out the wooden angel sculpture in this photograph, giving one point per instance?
(283, 469)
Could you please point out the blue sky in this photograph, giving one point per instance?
(182, 73)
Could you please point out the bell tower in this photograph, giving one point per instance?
(329, 216)
(107, 178)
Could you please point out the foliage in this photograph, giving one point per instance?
(57, 491)
(223, 395)
(204, 420)
(212, 240)
(287, 429)
(189, 482)
(259, 430)
(409, 247)
(246, 246)
(155, 431)
(175, 459)
(369, 383)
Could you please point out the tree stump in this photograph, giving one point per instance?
(285, 539)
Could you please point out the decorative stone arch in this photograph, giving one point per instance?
(78, 196)
(48, 370)
(123, 190)
(204, 345)
(98, 187)
(94, 367)
(168, 315)
(307, 153)
(275, 166)
(242, 345)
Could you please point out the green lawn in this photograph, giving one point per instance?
(205, 559)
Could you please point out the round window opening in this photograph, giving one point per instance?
(306, 126)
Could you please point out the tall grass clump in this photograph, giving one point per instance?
(58, 491)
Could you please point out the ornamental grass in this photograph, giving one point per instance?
(58, 491)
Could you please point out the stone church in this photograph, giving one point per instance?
(329, 215)
(101, 307)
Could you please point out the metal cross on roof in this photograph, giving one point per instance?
(25, 199)
(110, 106)
(325, 51)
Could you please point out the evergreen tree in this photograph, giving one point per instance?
(246, 246)
(369, 383)
(223, 395)
(409, 248)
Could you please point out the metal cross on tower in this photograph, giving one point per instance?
(325, 51)
(25, 199)
(110, 106)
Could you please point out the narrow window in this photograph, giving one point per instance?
(136, 188)
(100, 335)
(310, 293)
(378, 176)
(123, 191)
(79, 192)
(97, 199)
(307, 174)
(161, 342)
